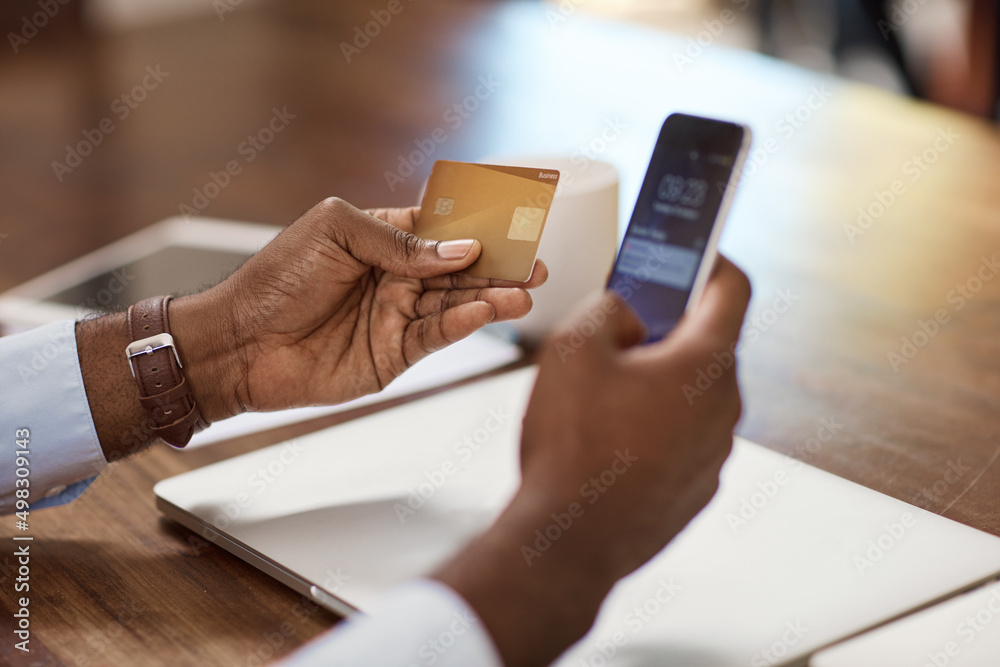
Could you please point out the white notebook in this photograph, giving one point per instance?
(786, 559)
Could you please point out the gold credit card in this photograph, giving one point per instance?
(504, 207)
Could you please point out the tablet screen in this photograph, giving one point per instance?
(172, 270)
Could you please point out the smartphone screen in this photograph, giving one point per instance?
(669, 246)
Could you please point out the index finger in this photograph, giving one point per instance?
(539, 274)
(400, 218)
(718, 316)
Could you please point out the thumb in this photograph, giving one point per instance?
(719, 315)
(624, 328)
(377, 243)
(606, 322)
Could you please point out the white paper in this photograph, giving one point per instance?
(479, 353)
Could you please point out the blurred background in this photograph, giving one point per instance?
(115, 114)
(869, 197)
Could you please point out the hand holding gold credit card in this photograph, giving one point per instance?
(505, 208)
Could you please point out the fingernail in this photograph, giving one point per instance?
(454, 249)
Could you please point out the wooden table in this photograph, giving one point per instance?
(836, 293)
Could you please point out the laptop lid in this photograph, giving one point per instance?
(961, 632)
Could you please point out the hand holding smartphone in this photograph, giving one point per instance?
(670, 244)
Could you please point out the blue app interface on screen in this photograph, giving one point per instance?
(673, 217)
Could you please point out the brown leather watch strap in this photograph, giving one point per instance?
(163, 390)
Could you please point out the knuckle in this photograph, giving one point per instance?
(735, 406)
(380, 213)
(740, 281)
(448, 300)
(332, 204)
(406, 245)
(335, 219)
(710, 489)
(746, 285)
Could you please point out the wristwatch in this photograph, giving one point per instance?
(156, 366)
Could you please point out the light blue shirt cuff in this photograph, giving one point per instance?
(42, 393)
(422, 622)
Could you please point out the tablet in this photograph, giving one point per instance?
(175, 256)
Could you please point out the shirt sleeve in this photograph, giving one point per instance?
(417, 624)
(45, 418)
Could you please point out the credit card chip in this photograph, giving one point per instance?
(526, 224)
(443, 206)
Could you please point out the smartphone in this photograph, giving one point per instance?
(670, 244)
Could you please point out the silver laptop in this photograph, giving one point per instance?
(962, 632)
(786, 560)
